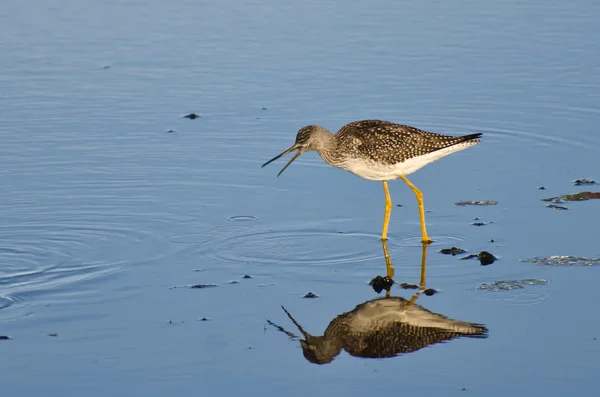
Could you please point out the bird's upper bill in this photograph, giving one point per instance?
(294, 157)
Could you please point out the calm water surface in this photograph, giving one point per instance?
(110, 198)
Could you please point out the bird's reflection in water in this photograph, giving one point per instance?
(384, 327)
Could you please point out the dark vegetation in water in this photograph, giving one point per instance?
(504, 285)
(452, 251)
(465, 203)
(582, 196)
(584, 181)
(563, 260)
(557, 207)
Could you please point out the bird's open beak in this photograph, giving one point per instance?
(298, 153)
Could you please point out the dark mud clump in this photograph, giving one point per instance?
(506, 285)
(310, 295)
(452, 251)
(563, 260)
(191, 116)
(583, 196)
(584, 181)
(485, 258)
(465, 203)
(381, 283)
(430, 292)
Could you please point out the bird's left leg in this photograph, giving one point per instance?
(419, 195)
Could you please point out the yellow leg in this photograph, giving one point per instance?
(388, 211)
(388, 265)
(419, 195)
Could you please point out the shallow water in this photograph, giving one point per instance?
(104, 210)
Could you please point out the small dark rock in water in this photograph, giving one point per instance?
(399, 205)
(4, 337)
(485, 258)
(203, 285)
(584, 181)
(574, 197)
(246, 276)
(478, 223)
(171, 131)
(381, 283)
(191, 116)
(492, 240)
(541, 188)
(263, 108)
(310, 295)
(408, 286)
(203, 319)
(452, 251)
(557, 207)
(53, 334)
(463, 203)
(430, 292)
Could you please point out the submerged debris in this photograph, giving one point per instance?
(409, 286)
(584, 181)
(563, 260)
(310, 295)
(557, 207)
(485, 258)
(574, 197)
(203, 285)
(452, 251)
(463, 203)
(191, 116)
(381, 283)
(505, 285)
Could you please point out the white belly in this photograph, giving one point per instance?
(379, 172)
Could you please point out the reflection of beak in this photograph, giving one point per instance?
(298, 153)
(306, 334)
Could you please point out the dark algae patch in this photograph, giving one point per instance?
(563, 260)
(452, 251)
(582, 196)
(507, 285)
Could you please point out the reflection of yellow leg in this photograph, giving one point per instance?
(419, 195)
(388, 260)
(388, 211)
(423, 274)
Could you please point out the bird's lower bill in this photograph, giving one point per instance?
(298, 153)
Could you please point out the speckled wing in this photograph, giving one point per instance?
(390, 143)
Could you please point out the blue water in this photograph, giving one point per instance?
(110, 198)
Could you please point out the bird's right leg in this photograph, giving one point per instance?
(388, 211)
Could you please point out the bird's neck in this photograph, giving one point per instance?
(328, 148)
